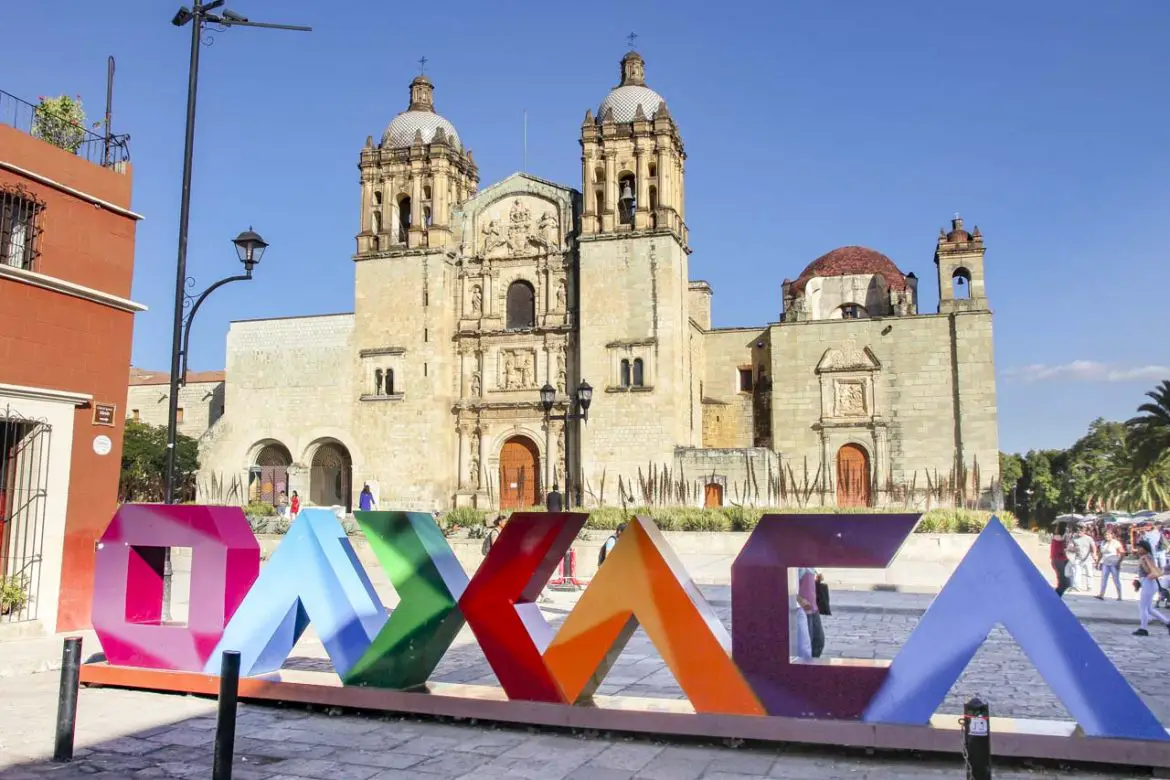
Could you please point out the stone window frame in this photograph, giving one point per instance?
(631, 351)
(381, 359)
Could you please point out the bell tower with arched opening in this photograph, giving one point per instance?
(632, 160)
(959, 257)
(413, 179)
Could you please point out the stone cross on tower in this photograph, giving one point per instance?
(630, 40)
(422, 65)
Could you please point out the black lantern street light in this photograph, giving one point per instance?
(581, 400)
(199, 15)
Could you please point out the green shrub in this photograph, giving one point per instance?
(259, 509)
(464, 517)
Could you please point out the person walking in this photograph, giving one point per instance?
(295, 505)
(1082, 560)
(493, 533)
(1111, 552)
(1148, 573)
(1059, 558)
(609, 543)
(366, 502)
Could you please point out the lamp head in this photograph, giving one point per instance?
(548, 396)
(250, 247)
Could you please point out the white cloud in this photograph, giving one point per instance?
(1087, 371)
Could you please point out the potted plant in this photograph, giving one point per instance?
(61, 122)
(13, 595)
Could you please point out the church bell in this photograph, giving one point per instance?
(627, 197)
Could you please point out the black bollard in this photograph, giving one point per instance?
(67, 699)
(976, 723)
(225, 723)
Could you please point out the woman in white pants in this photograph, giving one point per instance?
(1149, 573)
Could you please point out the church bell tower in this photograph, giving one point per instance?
(632, 160)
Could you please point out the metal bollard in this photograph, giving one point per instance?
(225, 723)
(976, 725)
(67, 699)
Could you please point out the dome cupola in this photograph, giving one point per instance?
(624, 99)
(420, 119)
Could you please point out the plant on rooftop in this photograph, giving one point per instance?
(60, 121)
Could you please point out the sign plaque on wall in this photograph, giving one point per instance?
(104, 414)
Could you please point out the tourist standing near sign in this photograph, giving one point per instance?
(807, 598)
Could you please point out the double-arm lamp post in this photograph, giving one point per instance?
(249, 245)
(580, 400)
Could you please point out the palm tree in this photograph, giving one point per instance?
(1150, 431)
(1125, 482)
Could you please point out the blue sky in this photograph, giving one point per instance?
(808, 125)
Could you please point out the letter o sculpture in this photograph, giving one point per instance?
(128, 582)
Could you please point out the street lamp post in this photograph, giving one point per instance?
(580, 400)
(199, 15)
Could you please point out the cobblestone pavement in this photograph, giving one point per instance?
(126, 734)
(1000, 673)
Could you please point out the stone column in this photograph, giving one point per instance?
(478, 441)
(460, 463)
(609, 219)
(880, 464)
(550, 455)
(664, 181)
(642, 168)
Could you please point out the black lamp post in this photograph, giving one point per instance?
(200, 15)
(581, 400)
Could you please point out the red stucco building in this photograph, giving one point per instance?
(66, 322)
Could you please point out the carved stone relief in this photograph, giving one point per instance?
(562, 295)
(517, 233)
(849, 399)
(476, 300)
(517, 369)
(476, 385)
(562, 375)
(848, 357)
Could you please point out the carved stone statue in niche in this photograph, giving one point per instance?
(562, 295)
(473, 472)
(519, 227)
(562, 376)
(476, 385)
(476, 300)
(492, 236)
(849, 399)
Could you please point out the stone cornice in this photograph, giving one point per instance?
(69, 288)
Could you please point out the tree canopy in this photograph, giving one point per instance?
(1114, 466)
(144, 459)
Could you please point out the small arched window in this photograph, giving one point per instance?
(625, 377)
(653, 170)
(639, 373)
(377, 222)
(403, 217)
(426, 216)
(627, 198)
(853, 311)
(377, 381)
(377, 197)
(521, 305)
(427, 192)
(961, 283)
(389, 381)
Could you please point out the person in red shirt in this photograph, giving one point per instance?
(295, 504)
(1058, 554)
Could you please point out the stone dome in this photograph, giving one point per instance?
(624, 101)
(419, 117)
(400, 132)
(850, 261)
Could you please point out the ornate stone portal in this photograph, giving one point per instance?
(522, 237)
(517, 369)
(849, 399)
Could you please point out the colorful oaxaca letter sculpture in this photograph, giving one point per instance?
(128, 582)
(315, 575)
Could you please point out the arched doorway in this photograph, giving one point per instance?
(331, 476)
(713, 495)
(519, 474)
(268, 476)
(852, 476)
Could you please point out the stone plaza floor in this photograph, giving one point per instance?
(132, 734)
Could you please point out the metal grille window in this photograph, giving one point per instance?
(21, 215)
(24, 487)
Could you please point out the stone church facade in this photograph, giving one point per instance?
(467, 302)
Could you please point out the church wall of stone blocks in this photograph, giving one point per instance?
(468, 302)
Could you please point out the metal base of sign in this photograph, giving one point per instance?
(1013, 739)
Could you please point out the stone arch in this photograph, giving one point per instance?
(330, 474)
(521, 485)
(854, 470)
(268, 465)
(626, 212)
(961, 283)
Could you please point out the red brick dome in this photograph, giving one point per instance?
(849, 261)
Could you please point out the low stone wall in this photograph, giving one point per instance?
(924, 563)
